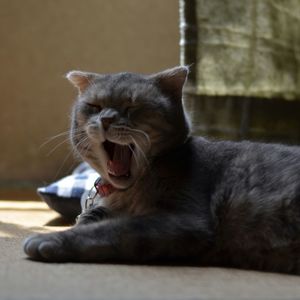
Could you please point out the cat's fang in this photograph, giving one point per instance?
(109, 148)
(119, 159)
(117, 151)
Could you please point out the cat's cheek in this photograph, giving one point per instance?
(79, 118)
(136, 169)
(95, 133)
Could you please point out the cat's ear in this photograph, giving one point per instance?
(172, 80)
(81, 80)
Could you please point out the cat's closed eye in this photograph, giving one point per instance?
(95, 107)
(131, 110)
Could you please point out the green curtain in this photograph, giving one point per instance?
(247, 48)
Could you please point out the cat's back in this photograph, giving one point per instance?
(224, 171)
(266, 168)
(251, 160)
(256, 203)
(257, 173)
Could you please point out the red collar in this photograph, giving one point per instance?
(103, 189)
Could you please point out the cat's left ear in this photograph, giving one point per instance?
(81, 80)
(171, 81)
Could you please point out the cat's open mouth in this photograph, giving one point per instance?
(119, 159)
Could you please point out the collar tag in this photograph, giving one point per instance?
(103, 189)
(97, 192)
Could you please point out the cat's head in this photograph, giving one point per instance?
(122, 121)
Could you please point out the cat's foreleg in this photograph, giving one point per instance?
(92, 215)
(136, 239)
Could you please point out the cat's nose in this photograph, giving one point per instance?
(106, 121)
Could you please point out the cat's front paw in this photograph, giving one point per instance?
(47, 247)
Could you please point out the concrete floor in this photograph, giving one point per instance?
(24, 279)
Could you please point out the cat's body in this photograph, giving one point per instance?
(177, 198)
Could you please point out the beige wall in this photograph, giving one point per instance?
(43, 39)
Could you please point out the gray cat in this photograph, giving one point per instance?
(168, 197)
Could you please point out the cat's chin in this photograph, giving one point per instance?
(121, 183)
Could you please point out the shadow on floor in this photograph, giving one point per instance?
(60, 221)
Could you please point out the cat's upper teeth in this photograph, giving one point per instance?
(119, 162)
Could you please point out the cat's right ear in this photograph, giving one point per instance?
(81, 80)
(171, 81)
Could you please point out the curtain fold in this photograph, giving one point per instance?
(247, 48)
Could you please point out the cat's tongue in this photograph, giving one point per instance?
(119, 165)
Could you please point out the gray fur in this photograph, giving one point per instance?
(188, 199)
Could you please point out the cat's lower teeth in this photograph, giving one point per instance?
(119, 161)
(118, 168)
(119, 176)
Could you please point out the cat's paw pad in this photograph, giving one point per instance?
(44, 247)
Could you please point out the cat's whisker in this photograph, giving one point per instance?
(64, 133)
(137, 131)
(57, 146)
(144, 134)
(63, 164)
(61, 143)
(86, 146)
(118, 138)
(140, 149)
(83, 143)
(134, 156)
(53, 138)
